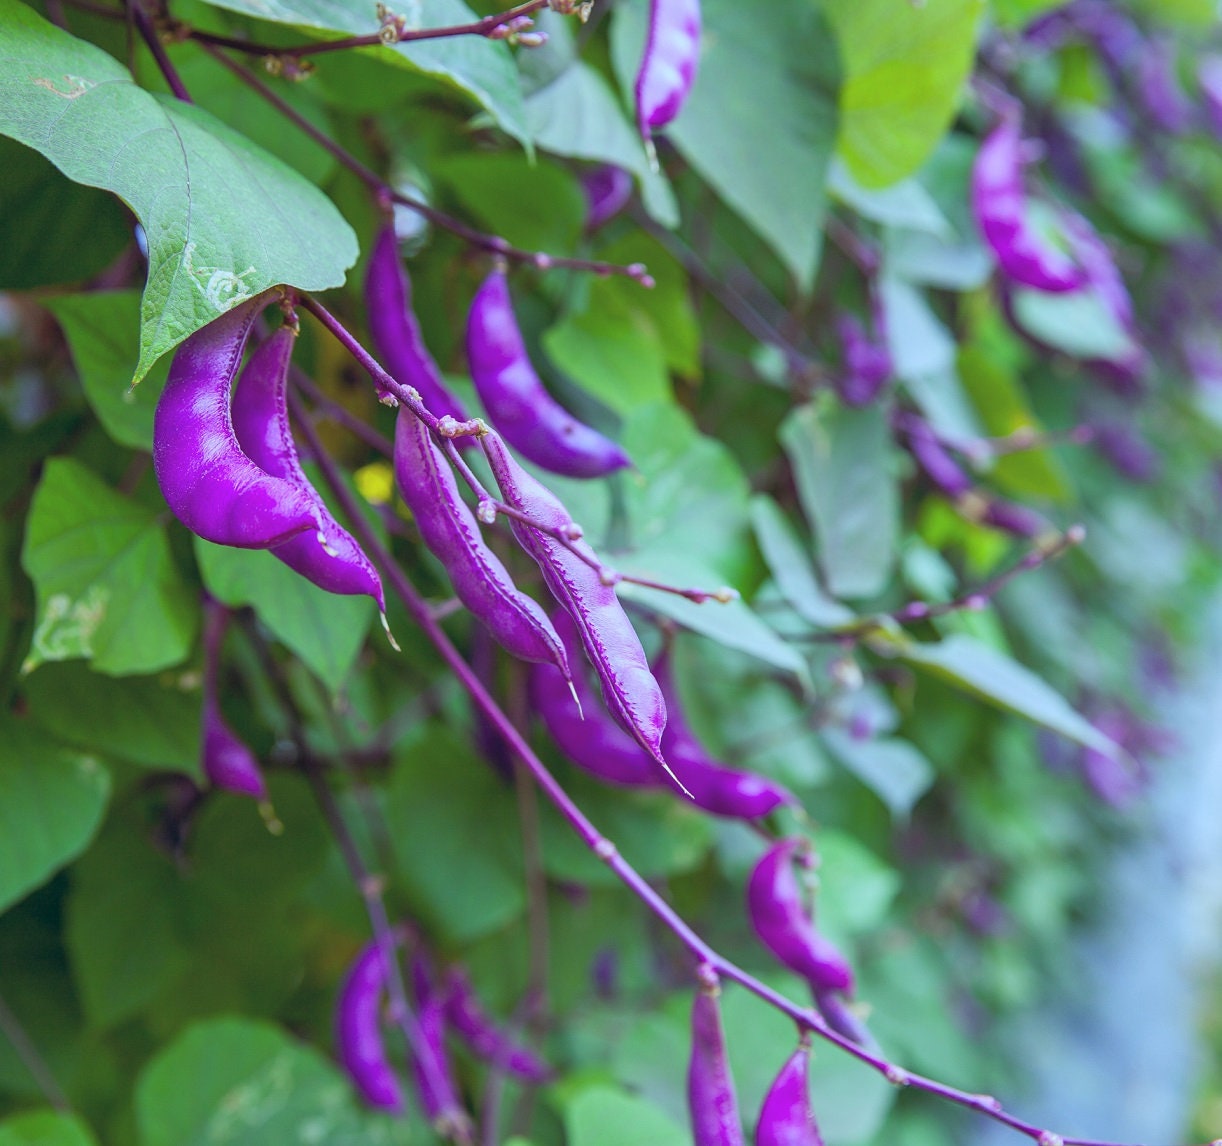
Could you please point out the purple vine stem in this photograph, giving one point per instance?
(494, 244)
(446, 429)
(805, 1017)
(148, 33)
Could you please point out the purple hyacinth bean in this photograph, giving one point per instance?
(478, 1031)
(934, 459)
(261, 423)
(530, 419)
(607, 190)
(1127, 451)
(611, 644)
(843, 1019)
(774, 901)
(226, 761)
(210, 485)
(396, 333)
(438, 1094)
(668, 67)
(1159, 89)
(449, 529)
(711, 1100)
(866, 364)
(787, 1118)
(999, 204)
(358, 1031)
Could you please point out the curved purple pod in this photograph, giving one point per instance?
(225, 759)
(438, 1094)
(668, 67)
(449, 529)
(774, 901)
(628, 687)
(1017, 520)
(607, 190)
(395, 332)
(482, 1035)
(711, 1100)
(787, 1117)
(358, 1031)
(261, 423)
(934, 459)
(210, 485)
(867, 364)
(526, 415)
(999, 204)
(843, 1020)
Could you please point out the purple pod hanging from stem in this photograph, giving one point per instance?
(611, 644)
(358, 1031)
(607, 189)
(449, 529)
(396, 333)
(527, 416)
(207, 480)
(780, 919)
(787, 1117)
(481, 1034)
(438, 1094)
(261, 424)
(711, 1101)
(225, 760)
(999, 203)
(866, 363)
(668, 66)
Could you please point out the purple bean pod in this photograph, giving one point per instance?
(843, 1020)
(934, 459)
(438, 1094)
(396, 333)
(1159, 89)
(628, 687)
(607, 190)
(711, 1101)
(999, 204)
(482, 1035)
(867, 363)
(774, 901)
(787, 1118)
(1126, 450)
(1016, 520)
(358, 1031)
(530, 419)
(261, 424)
(668, 66)
(210, 485)
(449, 529)
(226, 760)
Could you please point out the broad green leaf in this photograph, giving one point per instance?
(45, 1128)
(1078, 323)
(441, 798)
(1193, 14)
(791, 566)
(234, 1082)
(103, 332)
(51, 803)
(778, 56)
(325, 630)
(148, 720)
(603, 1116)
(107, 587)
(224, 219)
(905, 67)
(1016, 13)
(919, 342)
(999, 679)
(894, 770)
(842, 463)
(905, 204)
(481, 68)
(577, 115)
(856, 888)
(55, 231)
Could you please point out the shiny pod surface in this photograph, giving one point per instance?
(786, 1117)
(358, 1031)
(225, 759)
(711, 1101)
(668, 66)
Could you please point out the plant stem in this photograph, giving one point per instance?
(27, 1052)
(149, 35)
(805, 1017)
(494, 244)
(340, 414)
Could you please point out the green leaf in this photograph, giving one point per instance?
(778, 56)
(791, 566)
(856, 889)
(842, 462)
(991, 675)
(603, 1116)
(905, 204)
(894, 770)
(324, 629)
(55, 231)
(233, 1082)
(107, 587)
(441, 798)
(224, 219)
(1079, 323)
(102, 328)
(148, 720)
(481, 68)
(905, 69)
(51, 803)
(45, 1128)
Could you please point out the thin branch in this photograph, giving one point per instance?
(31, 1059)
(148, 34)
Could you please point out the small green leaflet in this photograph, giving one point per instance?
(484, 69)
(224, 219)
(45, 1128)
